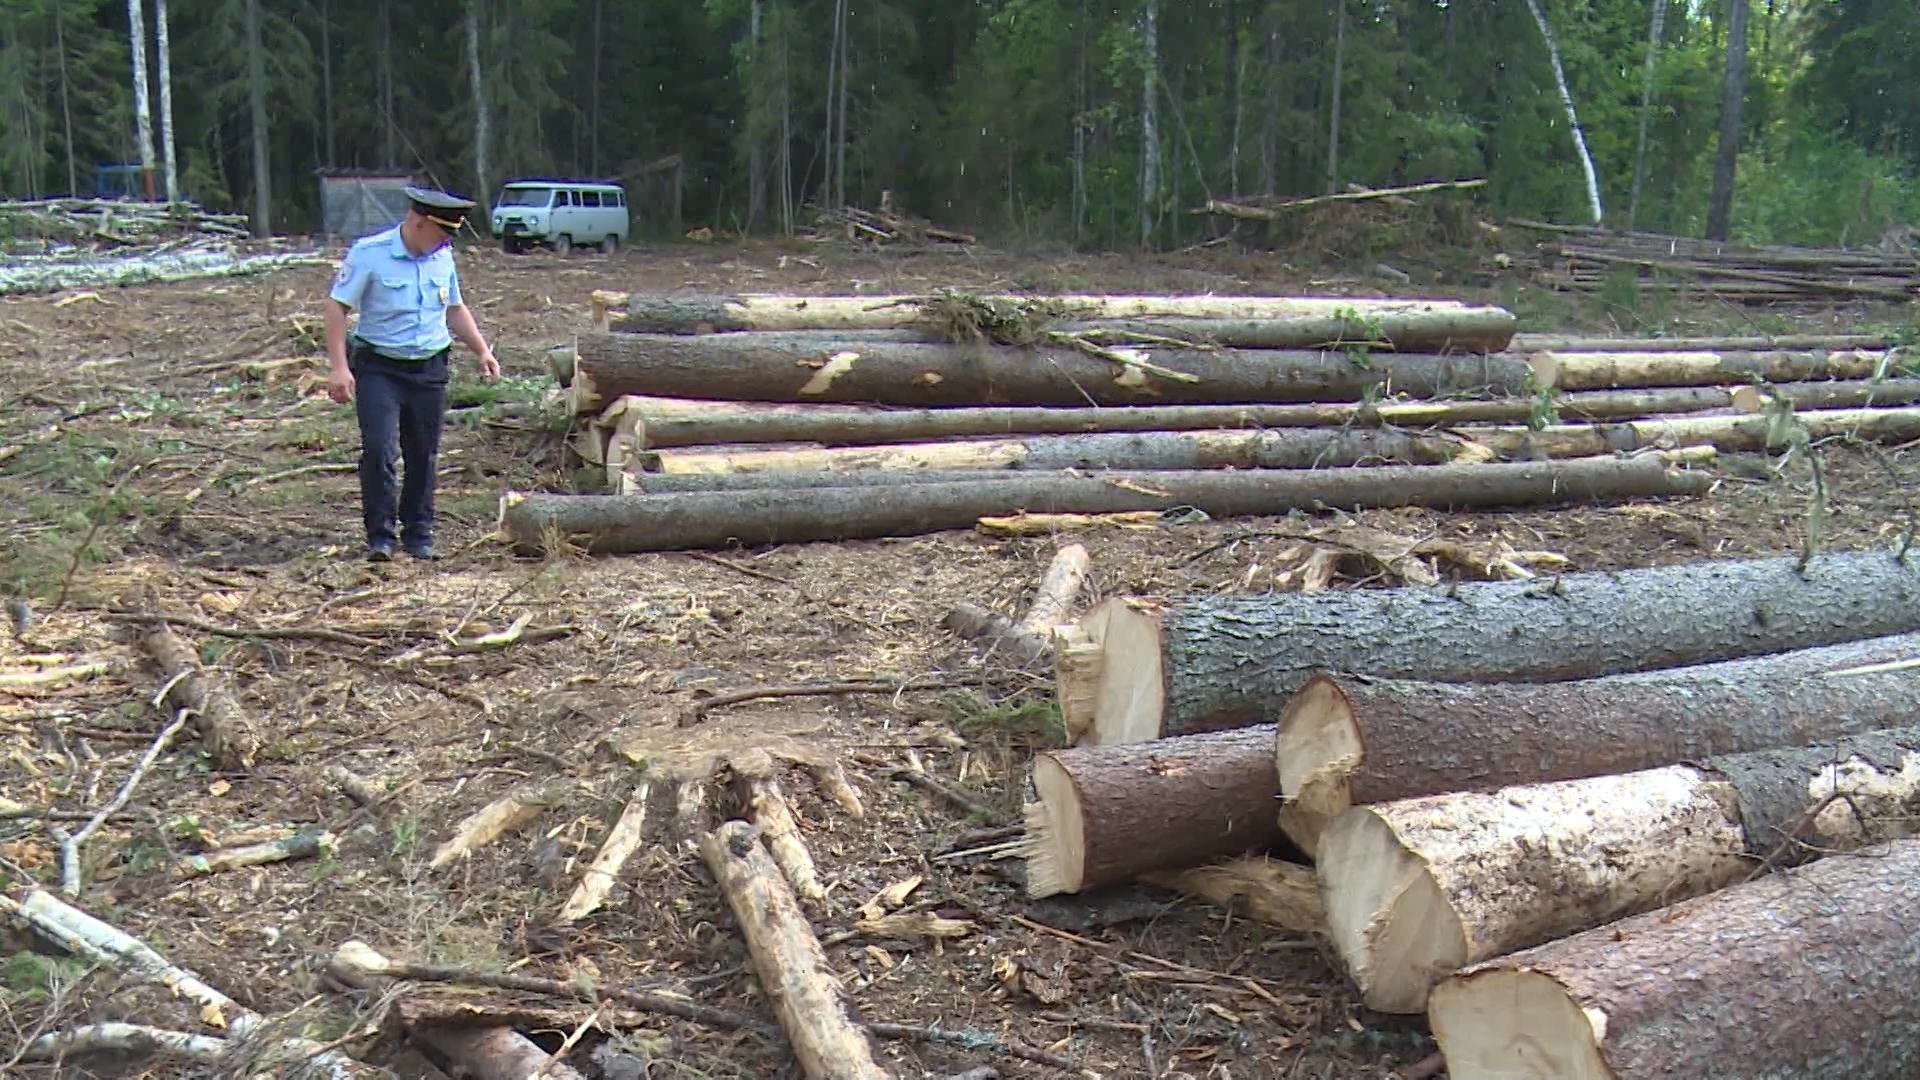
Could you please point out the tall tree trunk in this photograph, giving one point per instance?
(386, 81)
(827, 141)
(756, 119)
(326, 78)
(593, 92)
(786, 129)
(1333, 125)
(142, 114)
(166, 100)
(840, 148)
(1233, 74)
(1733, 92)
(66, 106)
(1080, 129)
(257, 97)
(1655, 30)
(1573, 117)
(1149, 120)
(1270, 113)
(476, 85)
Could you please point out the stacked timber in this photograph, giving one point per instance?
(1587, 259)
(1534, 810)
(757, 419)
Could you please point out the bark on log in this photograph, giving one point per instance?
(667, 522)
(1848, 394)
(1347, 740)
(1419, 888)
(772, 815)
(230, 735)
(1805, 975)
(792, 967)
(1556, 343)
(1595, 371)
(483, 1051)
(994, 632)
(1304, 321)
(1743, 433)
(810, 368)
(655, 423)
(1234, 661)
(1104, 815)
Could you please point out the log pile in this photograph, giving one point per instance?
(1562, 818)
(1587, 259)
(771, 419)
(883, 225)
(174, 260)
(114, 221)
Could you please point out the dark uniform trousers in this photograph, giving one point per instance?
(401, 405)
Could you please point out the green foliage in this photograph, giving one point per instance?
(1025, 721)
(29, 977)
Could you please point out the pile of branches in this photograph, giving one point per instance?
(883, 226)
(1586, 259)
(184, 259)
(114, 221)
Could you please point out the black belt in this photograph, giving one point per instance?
(363, 351)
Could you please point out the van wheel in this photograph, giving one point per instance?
(510, 246)
(562, 244)
(610, 244)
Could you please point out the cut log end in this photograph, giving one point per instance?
(1056, 845)
(1387, 916)
(1076, 679)
(1316, 749)
(1132, 694)
(1514, 1022)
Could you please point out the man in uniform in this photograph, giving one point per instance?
(393, 367)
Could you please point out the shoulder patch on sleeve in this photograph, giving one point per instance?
(341, 275)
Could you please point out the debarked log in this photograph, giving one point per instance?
(1179, 668)
(667, 522)
(1419, 888)
(781, 367)
(1803, 975)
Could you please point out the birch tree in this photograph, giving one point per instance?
(166, 99)
(1655, 30)
(1573, 116)
(142, 114)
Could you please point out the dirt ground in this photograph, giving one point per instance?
(217, 527)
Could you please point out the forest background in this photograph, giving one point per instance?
(1033, 122)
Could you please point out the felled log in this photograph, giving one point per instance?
(653, 423)
(301, 845)
(1419, 888)
(230, 735)
(1730, 434)
(667, 522)
(1804, 975)
(1558, 343)
(1169, 669)
(1109, 814)
(759, 792)
(883, 370)
(793, 969)
(1147, 450)
(1031, 638)
(1345, 740)
(1839, 394)
(1409, 324)
(1595, 371)
(514, 810)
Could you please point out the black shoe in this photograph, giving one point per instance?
(423, 552)
(379, 552)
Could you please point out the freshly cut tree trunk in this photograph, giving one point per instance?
(1265, 321)
(1804, 975)
(626, 523)
(1554, 343)
(656, 423)
(1597, 371)
(1278, 893)
(884, 370)
(1419, 888)
(1348, 740)
(230, 734)
(1742, 433)
(1109, 814)
(793, 970)
(1147, 450)
(1234, 661)
(1066, 573)
(1851, 394)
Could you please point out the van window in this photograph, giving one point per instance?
(526, 196)
(592, 198)
(618, 198)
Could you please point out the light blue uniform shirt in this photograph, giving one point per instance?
(402, 298)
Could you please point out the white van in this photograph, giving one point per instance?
(561, 214)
